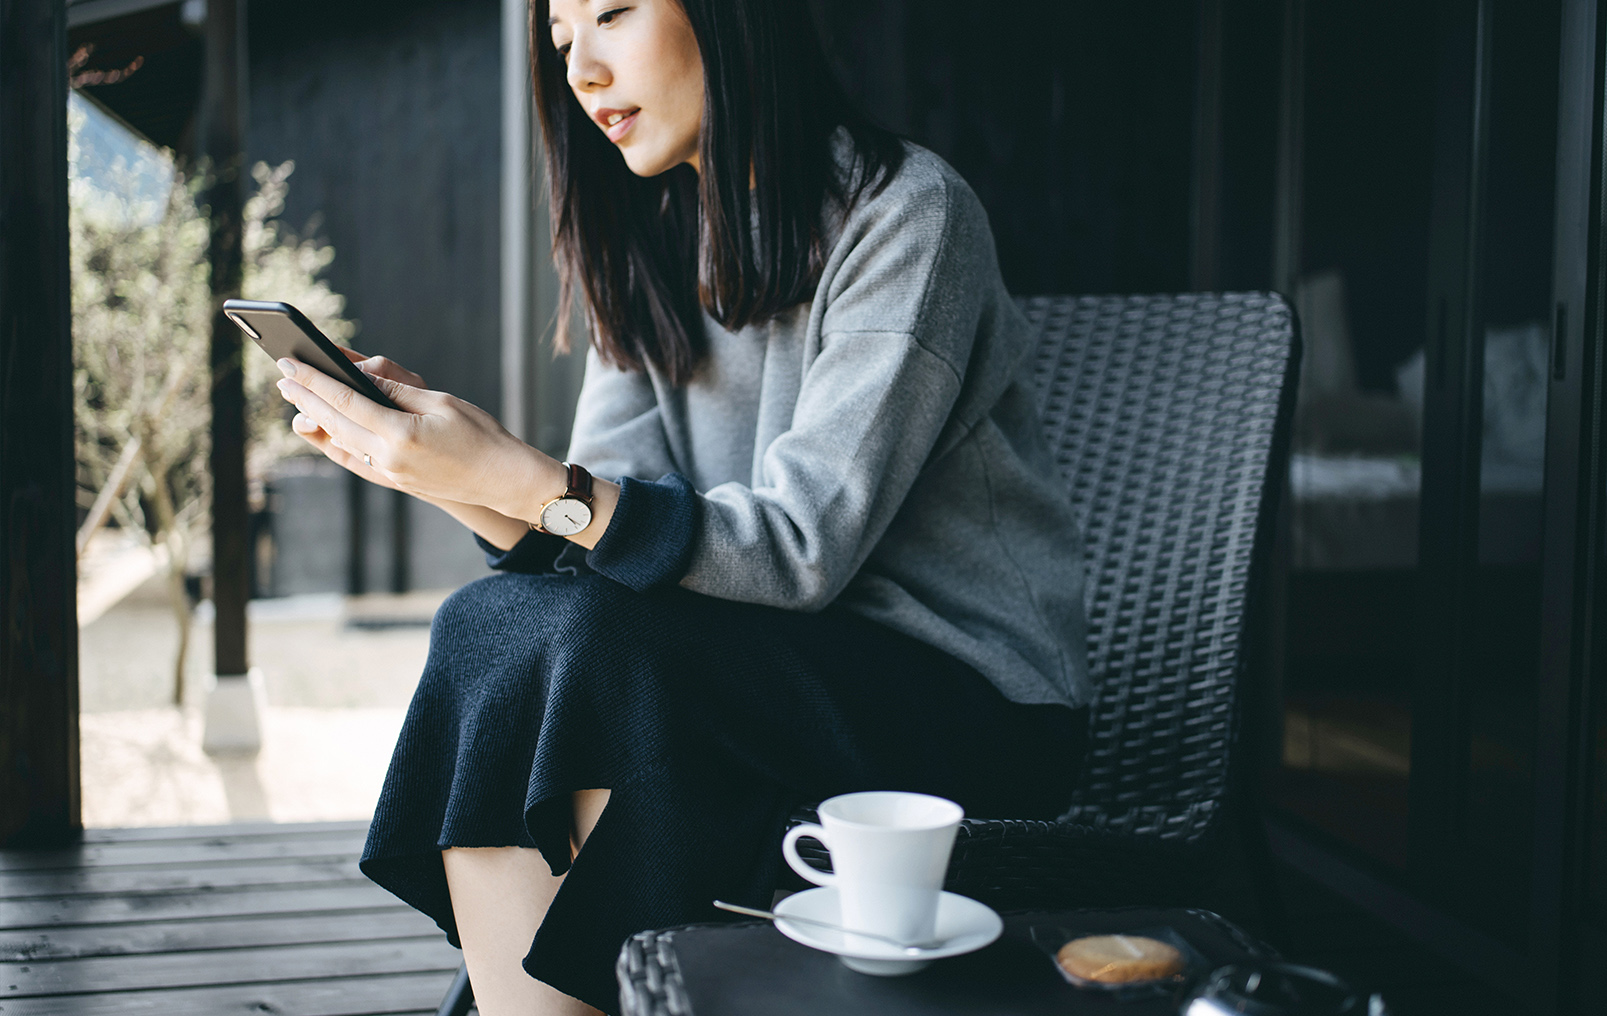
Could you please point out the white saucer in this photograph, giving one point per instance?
(963, 925)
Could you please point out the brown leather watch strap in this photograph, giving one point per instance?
(579, 483)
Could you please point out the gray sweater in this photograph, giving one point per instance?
(876, 448)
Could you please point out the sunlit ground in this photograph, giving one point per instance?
(335, 692)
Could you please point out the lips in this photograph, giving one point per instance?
(615, 122)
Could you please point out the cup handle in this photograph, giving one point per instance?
(789, 850)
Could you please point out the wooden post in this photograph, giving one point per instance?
(401, 542)
(356, 535)
(231, 721)
(39, 793)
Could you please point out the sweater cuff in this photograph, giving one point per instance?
(534, 554)
(649, 540)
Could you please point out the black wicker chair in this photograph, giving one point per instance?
(1169, 418)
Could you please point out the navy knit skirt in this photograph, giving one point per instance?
(708, 720)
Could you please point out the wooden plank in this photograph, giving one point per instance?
(232, 831)
(81, 910)
(214, 920)
(400, 921)
(209, 851)
(19, 886)
(346, 996)
(102, 974)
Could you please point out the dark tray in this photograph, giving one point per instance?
(744, 969)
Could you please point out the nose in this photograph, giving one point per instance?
(586, 71)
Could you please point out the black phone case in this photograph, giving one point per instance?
(281, 330)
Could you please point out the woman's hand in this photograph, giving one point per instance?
(379, 366)
(437, 447)
(307, 430)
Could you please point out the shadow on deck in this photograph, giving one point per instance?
(215, 920)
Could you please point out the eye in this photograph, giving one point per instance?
(607, 17)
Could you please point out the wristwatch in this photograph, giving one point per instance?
(570, 512)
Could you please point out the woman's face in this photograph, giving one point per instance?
(635, 67)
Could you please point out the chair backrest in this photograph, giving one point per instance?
(1169, 419)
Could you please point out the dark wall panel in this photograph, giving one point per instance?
(1369, 132)
(1073, 123)
(1252, 44)
(392, 113)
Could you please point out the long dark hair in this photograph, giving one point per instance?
(650, 254)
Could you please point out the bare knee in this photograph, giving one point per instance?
(589, 805)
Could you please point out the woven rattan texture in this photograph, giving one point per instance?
(649, 976)
(1164, 415)
(1161, 412)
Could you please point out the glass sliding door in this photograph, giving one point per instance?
(1444, 663)
(1354, 638)
(1500, 666)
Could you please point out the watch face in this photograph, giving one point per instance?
(566, 516)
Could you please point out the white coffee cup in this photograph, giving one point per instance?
(889, 853)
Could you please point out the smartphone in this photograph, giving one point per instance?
(282, 330)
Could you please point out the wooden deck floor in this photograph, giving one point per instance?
(276, 919)
(215, 920)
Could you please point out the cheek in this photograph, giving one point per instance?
(689, 96)
(681, 79)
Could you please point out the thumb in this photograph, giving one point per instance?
(406, 397)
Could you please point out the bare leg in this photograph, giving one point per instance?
(499, 897)
(589, 805)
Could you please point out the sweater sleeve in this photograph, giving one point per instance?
(619, 430)
(535, 554)
(907, 290)
(647, 542)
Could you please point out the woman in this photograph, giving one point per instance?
(824, 550)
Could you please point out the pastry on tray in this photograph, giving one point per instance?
(1119, 959)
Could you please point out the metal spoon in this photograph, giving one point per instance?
(912, 948)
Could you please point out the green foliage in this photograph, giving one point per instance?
(141, 332)
(142, 315)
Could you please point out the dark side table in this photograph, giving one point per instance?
(750, 968)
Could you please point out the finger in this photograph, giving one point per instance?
(410, 398)
(315, 436)
(379, 366)
(383, 366)
(337, 396)
(345, 431)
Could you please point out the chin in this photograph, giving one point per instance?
(646, 156)
(648, 163)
